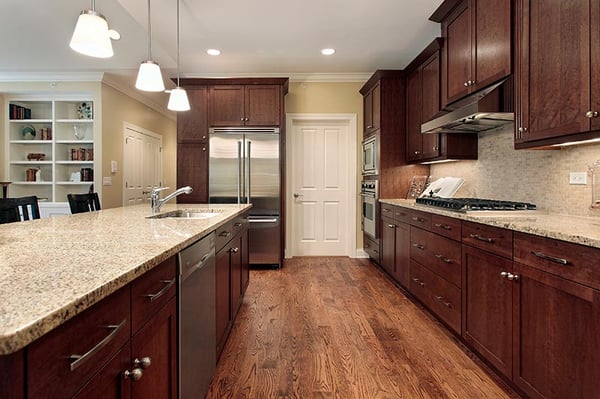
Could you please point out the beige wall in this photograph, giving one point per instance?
(117, 109)
(537, 176)
(320, 98)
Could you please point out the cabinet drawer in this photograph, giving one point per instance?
(420, 219)
(151, 292)
(419, 245)
(371, 247)
(388, 210)
(570, 261)
(223, 235)
(489, 238)
(439, 254)
(95, 336)
(441, 297)
(445, 226)
(402, 215)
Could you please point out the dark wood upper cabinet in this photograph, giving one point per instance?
(477, 47)
(192, 125)
(245, 105)
(423, 104)
(192, 170)
(557, 72)
(372, 110)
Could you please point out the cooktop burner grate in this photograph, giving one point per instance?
(475, 204)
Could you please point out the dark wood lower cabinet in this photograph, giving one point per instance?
(488, 306)
(402, 255)
(223, 296)
(109, 382)
(556, 336)
(388, 244)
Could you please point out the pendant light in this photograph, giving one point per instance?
(91, 36)
(149, 77)
(178, 99)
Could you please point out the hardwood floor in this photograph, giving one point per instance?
(337, 328)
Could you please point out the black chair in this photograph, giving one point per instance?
(80, 203)
(18, 209)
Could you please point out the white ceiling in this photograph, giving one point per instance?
(257, 38)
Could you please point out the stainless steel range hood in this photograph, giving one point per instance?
(484, 110)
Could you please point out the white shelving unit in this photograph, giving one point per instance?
(66, 153)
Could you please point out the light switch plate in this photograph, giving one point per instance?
(113, 166)
(107, 181)
(579, 178)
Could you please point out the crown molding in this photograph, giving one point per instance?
(294, 77)
(51, 76)
(136, 95)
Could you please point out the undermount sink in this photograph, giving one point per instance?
(188, 214)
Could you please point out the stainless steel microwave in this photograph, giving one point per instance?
(370, 153)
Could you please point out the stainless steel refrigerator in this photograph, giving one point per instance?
(244, 168)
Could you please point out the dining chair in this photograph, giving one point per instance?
(80, 203)
(19, 209)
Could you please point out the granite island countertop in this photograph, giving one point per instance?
(584, 230)
(53, 269)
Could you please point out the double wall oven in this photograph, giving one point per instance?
(369, 188)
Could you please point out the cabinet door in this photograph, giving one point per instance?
(553, 73)
(192, 126)
(223, 295)
(236, 273)
(368, 112)
(457, 53)
(245, 259)
(402, 254)
(414, 107)
(262, 105)
(192, 170)
(157, 341)
(109, 382)
(595, 54)
(556, 337)
(376, 111)
(388, 242)
(430, 104)
(493, 32)
(487, 307)
(226, 105)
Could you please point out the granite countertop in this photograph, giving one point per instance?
(53, 269)
(575, 229)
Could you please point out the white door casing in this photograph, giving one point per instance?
(142, 163)
(321, 170)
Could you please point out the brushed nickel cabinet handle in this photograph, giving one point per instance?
(237, 224)
(391, 226)
(235, 250)
(509, 276)
(419, 246)
(225, 234)
(78, 360)
(481, 238)
(416, 280)
(591, 114)
(143, 363)
(443, 226)
(466, 84)
(418, 219)
(369, 127)
(386, 210)
(550, 258)
(135, 374)
(168, 284)
(443, 258)
(447, 304)
(522, 129)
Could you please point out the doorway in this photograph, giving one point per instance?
(142, 164)
(321, 185)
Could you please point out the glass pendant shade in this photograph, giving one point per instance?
(91, 36)
(178, 100)
(149, 77)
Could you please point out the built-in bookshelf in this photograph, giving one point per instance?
(50, 146)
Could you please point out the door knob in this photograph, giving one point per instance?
(296, 195)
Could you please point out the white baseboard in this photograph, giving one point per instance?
(360, 253)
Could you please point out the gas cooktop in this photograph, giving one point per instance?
(475, 204)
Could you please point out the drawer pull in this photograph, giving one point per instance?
(400, 214)
(385, 210)
(235, 250)
(168, 284)
(143, 363)
(237, 224)
(391, 226)
(419, 246)
(443, 226)
(416, 280)
(135, 374)
(551, 258)
(78, 360)
(225, 234)
(481, 238)
(418, 219)
(441, 299)
(509, 276)
(443, 258)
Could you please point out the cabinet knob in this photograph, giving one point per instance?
(522, 129)
(143, 363)
(466, 84)
(369, 127)
(417, 152)
(591, 114)
(242, 119)
(509, 276)
(203, 148)
(434, 148)
(135, 374)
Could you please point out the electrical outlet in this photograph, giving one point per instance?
(578, 178)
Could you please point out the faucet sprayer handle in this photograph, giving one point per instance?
(159, 189)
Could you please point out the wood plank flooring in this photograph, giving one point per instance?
(337, 328)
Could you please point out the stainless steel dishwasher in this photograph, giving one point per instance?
(197, 331)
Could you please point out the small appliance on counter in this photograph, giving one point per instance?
(444, 187)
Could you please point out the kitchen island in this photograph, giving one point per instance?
(52, 270)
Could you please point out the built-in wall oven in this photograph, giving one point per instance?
(370, 163)
(369, 196)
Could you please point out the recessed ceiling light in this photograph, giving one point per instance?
(328, 51)
(213, 51)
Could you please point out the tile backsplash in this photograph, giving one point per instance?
(537, 176)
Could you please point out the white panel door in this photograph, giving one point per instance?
(320, 189)
(142, 165)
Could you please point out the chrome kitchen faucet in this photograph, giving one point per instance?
(156, 202)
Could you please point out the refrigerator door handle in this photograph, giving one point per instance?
(249, 172)
(239, 177)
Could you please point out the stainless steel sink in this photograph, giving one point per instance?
(188, 214)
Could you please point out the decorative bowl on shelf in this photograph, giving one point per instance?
(79, 131)
(36, 156)
(28, 132)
